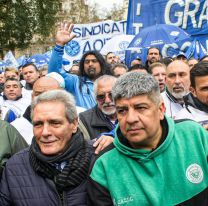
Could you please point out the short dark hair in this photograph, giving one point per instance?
(137, 67)
(200, 69)
(13, 79)
(30, 64)
(166, 60)
(108, 54)
(118, 65)
(154, 48)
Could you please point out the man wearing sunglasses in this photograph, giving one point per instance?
(102, 117)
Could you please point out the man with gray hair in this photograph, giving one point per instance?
(177, 86)
(53, 171)
(139, 168)
(102, 117)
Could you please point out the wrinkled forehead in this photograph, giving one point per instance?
(11, 83)
(177, 67)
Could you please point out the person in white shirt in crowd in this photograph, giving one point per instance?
(12, 97)
(158, 70)
(13, 73)
(196, 102)
(177, 86)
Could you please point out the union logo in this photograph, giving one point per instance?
(194, 173)
(72, 48)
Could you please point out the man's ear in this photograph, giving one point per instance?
(74, 125)
(193, 91)
(162, 110)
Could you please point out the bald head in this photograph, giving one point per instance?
(44, 84)
(178, 79)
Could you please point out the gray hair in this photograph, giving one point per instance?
(57, 96)
(103, 77)
(134, 84)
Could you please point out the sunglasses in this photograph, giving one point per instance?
(101, 97)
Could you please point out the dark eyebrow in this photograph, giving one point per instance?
(37, 122)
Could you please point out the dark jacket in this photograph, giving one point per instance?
(21, 185)
(95, 122)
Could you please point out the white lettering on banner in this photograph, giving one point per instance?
(186, 14)
(183, 47)
(165, 48)
(91, 37)
(137, 27)
(204, 14)
(192, 13)
(177, 14)
(138, 12)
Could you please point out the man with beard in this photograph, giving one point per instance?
(54, 169)
(102, 117)
(177, 86)
(153, 55)
(158, 70)
(111, 58)
(196, 102)
(92, 65)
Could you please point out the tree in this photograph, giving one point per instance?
(20, 20)
(116, 13)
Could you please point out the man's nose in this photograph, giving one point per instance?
(46, 130)
(177, 79)
(108, 98)
(132, 117)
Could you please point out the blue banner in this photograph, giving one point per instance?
(190, 15)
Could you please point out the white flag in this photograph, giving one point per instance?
(10, 60)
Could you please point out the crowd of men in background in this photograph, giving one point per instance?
(60, 120)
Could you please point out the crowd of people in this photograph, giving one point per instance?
(103, 134)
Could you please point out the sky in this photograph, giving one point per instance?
(106, 3)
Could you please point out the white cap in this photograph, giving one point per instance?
(58, 78)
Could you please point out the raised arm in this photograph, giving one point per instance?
(63, 36)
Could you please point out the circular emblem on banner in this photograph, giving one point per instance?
(72, 48)
(123, 45)
(194, 173)
(138, 41)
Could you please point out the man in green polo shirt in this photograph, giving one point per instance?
(153, 160)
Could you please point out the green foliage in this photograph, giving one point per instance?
(20, 20)
(116, 13)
